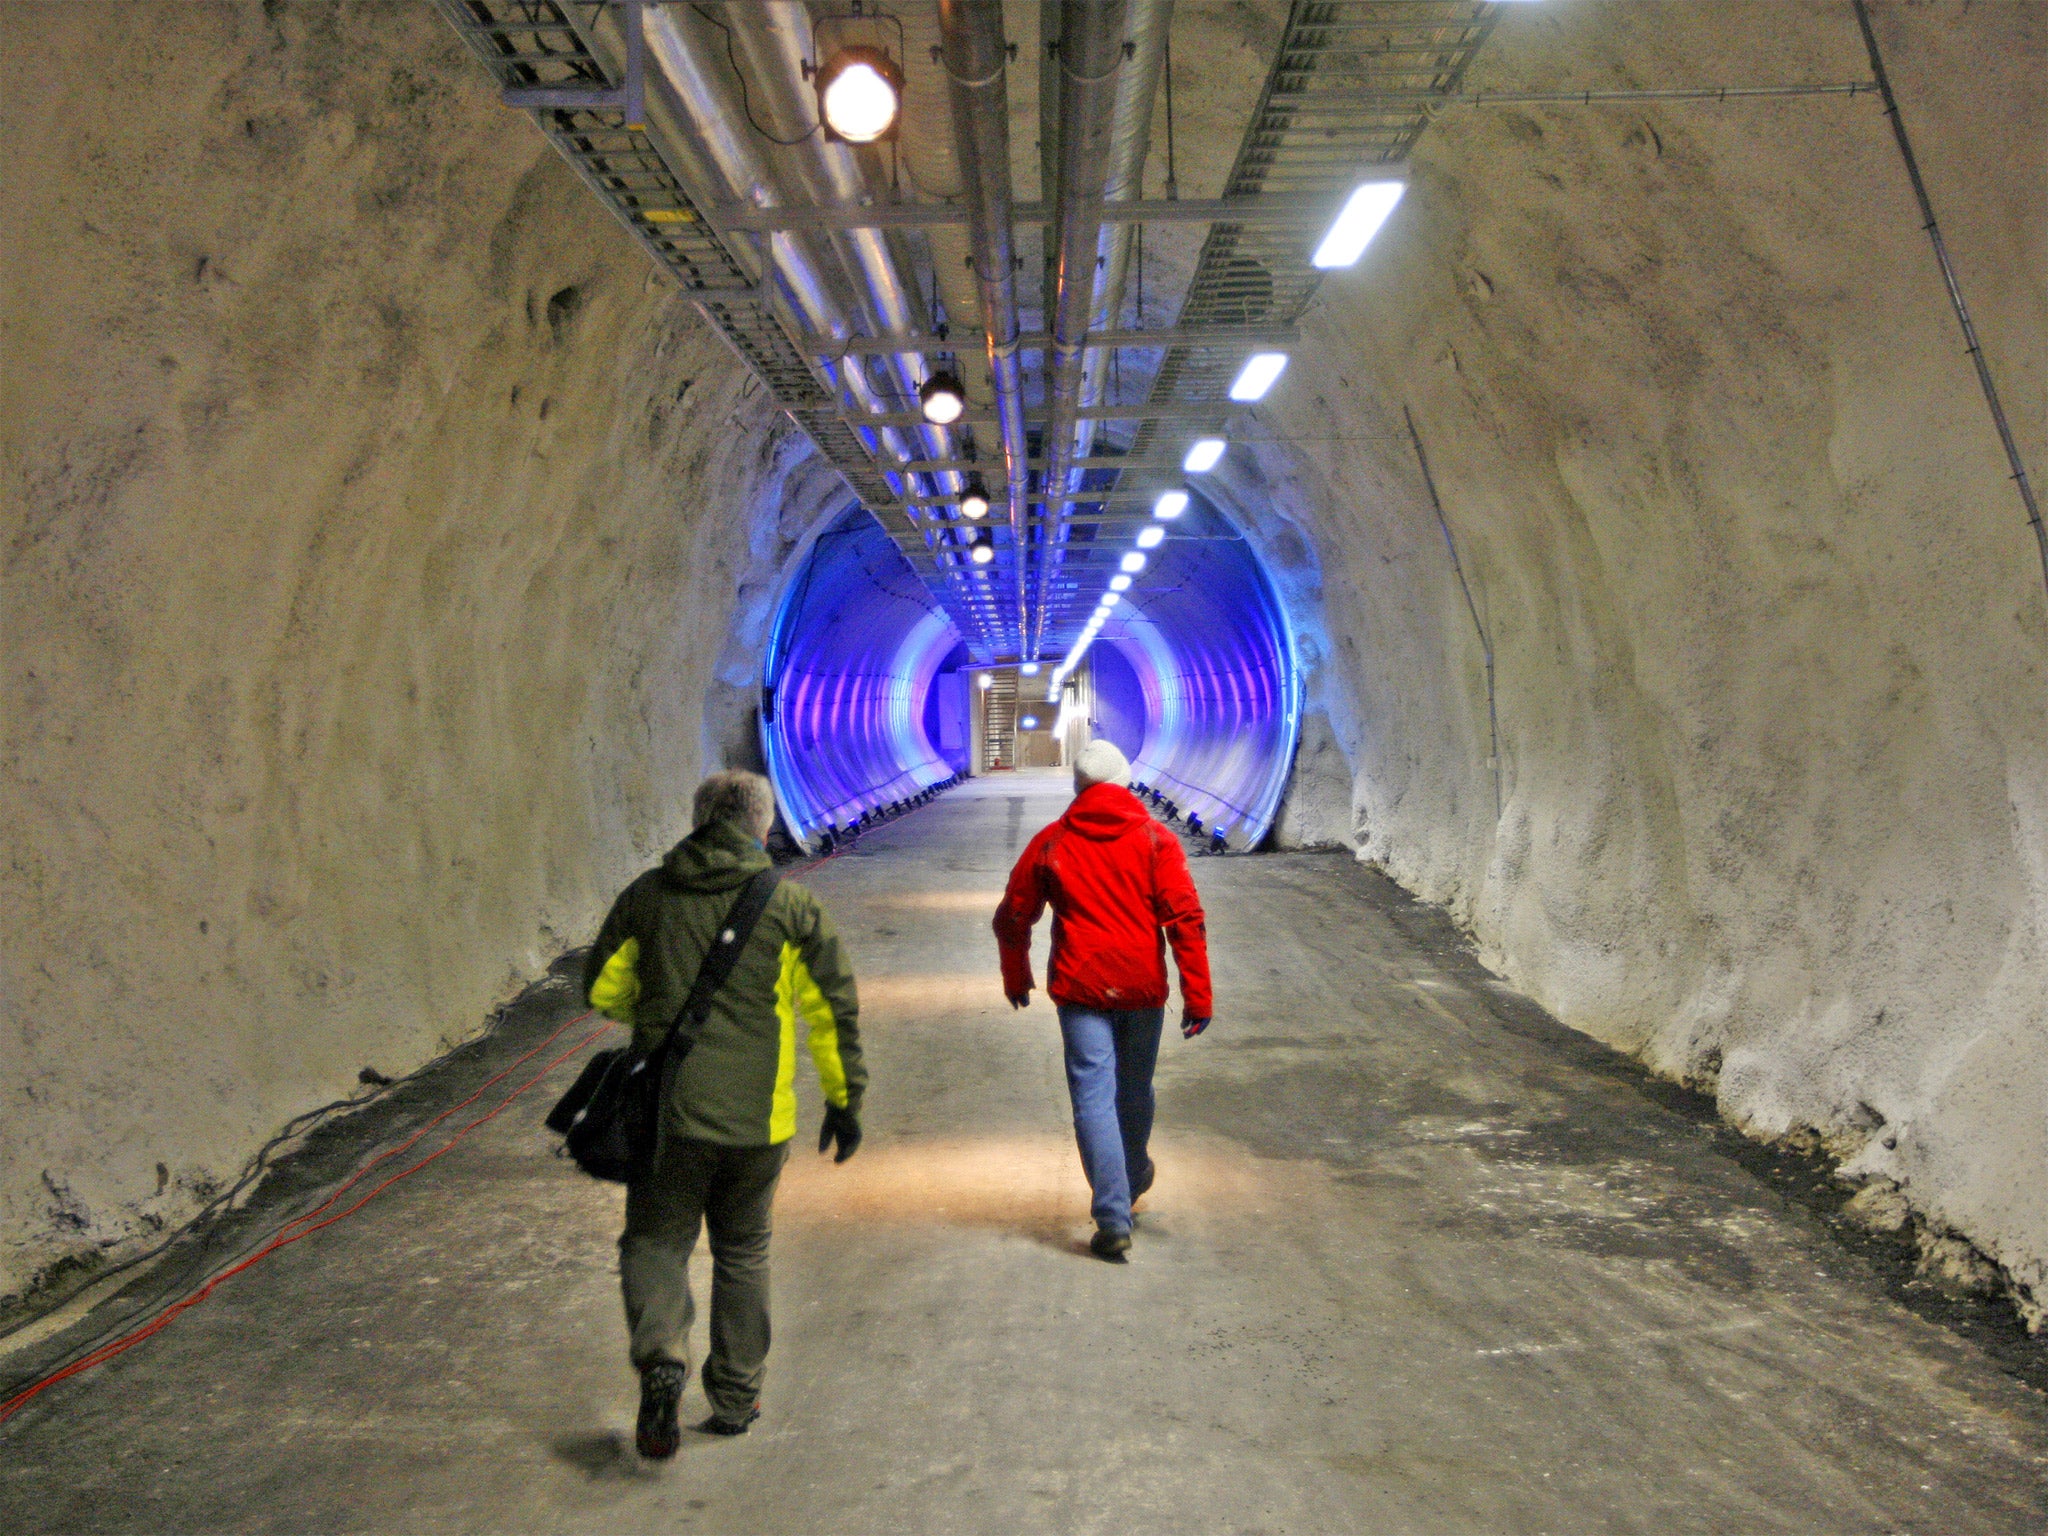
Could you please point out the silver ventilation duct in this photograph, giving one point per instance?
(1088, 64)
(972, 36)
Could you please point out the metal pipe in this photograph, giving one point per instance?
(971, 37)
(705, 108)
(1090, 60)
(1955, 288)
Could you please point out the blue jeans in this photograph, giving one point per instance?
(1110, 1057)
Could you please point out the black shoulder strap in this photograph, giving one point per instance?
(725, 949)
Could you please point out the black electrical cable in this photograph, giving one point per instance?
(746, 101)
(299, 1125)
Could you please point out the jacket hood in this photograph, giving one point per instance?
(718, 856)
(1105, 811)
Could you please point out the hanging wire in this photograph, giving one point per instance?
(746, 100)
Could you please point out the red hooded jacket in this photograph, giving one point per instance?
(1114, 878)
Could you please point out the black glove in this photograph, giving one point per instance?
(1190, 1026)
(842, 1125)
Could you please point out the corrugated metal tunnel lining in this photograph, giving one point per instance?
(1194, 678)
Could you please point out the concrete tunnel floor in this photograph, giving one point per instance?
(1419, 1260)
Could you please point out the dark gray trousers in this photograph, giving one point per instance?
(731, 1192)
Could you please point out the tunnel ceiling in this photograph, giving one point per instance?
(848, 277)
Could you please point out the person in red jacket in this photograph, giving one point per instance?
(1119, 889)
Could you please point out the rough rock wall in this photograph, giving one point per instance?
(373, 522)
(1770, 628)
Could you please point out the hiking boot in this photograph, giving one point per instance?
(1110, 1243)
(657, 1434)
(718, 1424)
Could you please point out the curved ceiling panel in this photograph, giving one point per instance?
(1208, 641)
(856, 641)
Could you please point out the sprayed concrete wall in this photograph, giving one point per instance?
(374, 522)
(387, 553)
(1769, 627)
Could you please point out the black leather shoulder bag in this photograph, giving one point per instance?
(611, 1117)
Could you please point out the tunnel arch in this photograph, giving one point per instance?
(854, 645)
(1201, 652)
(1195, 676)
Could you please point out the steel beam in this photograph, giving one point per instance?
(1267, 208)
(836, 347)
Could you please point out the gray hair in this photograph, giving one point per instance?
(735, 795)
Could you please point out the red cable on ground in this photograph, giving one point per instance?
(280, 1240)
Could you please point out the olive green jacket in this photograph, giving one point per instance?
(737, 1086)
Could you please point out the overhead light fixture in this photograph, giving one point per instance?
(1151, 538)
(1029, 669)
(1029, 722)
(1131, 562)
(974, 500)
(986, 680)
(1357, 222)
(1170, 505)
(942, 399)
(983, 553)
(860, 95)
(1203, 455)
(1119, 584)
(1257, 375)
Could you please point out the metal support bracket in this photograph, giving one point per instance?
(629, 96)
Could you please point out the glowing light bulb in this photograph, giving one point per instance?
(1029, 669)
(1131, 563)
(860, 95)
(1203, 455)
(1170, 505)
(942, 399)
(974, 500)
(1151, 538)
(1257, 375)
(983, 553)
(1357, 222)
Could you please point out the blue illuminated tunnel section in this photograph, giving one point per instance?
(868, 684)
(851, 659)
(1195, 678)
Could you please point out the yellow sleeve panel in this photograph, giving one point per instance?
(617, 987)
(797, 997)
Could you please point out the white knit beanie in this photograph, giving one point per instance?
(1101, 763)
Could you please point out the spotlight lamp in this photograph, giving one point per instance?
(942, 399)
(984, 552)
(985, 682)
(1151, 538)
(974, 500)
(860, 96)
(1203, 455)
(1170, 505)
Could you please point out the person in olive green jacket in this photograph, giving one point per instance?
(730, 1110)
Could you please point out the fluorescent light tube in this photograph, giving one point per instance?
(1151, 538)
(1203, 456)
(1357, 222)
(1257, 375)
(1170, 505)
